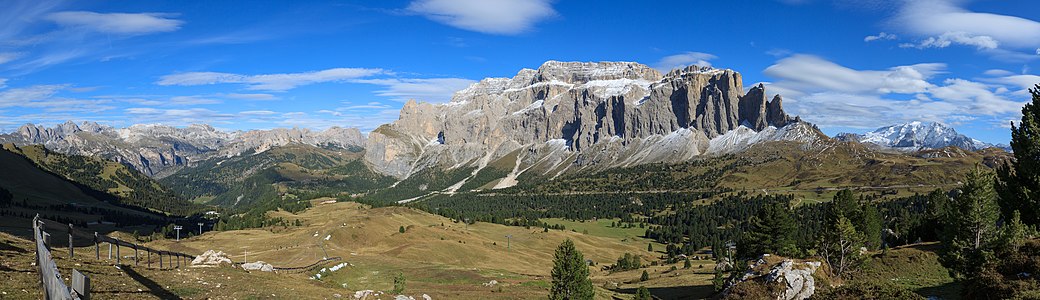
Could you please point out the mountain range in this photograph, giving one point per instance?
(915, 136)
(160, 150)
(563, 117)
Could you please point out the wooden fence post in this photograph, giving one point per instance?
(119, 259)
(81, 285)
(71, 253)
(97, 246)
(160, 260)
(136, 262)
(149, 259)
(110, 250)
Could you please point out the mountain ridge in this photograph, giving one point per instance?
(159, 150)
(916, 136)
(585, 114)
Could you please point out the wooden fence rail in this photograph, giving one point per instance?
(50, 280)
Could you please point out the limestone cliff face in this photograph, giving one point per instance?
(599, 112)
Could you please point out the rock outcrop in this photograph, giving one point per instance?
(586, 114)
(258, 266)
(212, 258)
(797, 279)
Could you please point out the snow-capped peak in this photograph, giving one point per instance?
(918, 135)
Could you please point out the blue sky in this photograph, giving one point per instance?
(843, 65)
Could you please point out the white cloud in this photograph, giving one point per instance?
(269, 82)
(487, 16)
(879, 36)
(117, 23)
(3, 83)
(997, 72)
(428, 89)
(671, 62)
(832, 95)
(974, 97)
(938, 17)
(807, 73)
(980, 42)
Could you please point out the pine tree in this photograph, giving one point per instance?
(645, 276)
(570, 274)
(840, 246)
(401, 229)
(686, 263)
(770, 231)
(971, 225)
(650, 247)
(1019, 181)
(643, 294)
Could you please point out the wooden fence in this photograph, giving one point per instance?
(50, 280)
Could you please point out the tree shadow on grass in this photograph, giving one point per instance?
(676, 292)
(154, 287)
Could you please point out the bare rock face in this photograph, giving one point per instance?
(263, 140)
(574, 113)
(159, 150)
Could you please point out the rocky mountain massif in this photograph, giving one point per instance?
(159, 150)
(915, 136)
(568, 116)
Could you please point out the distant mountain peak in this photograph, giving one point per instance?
(916, 135)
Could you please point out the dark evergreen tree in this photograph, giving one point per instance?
(643, 294)
(1019, 182)
(770, 231)
(645, 276)
(570, 274)
(971, 226)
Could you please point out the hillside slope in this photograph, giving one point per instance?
(277, 177)
(119, 183)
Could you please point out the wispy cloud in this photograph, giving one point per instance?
(941, 23)
(255, 97)
(269, 82)
(980, 42)
(9, 56)
(879, 37)
(19, 96)
(117, 23)
(833, 95)
(426, 89)
(809, 73)
(671, 62)
(487, 16)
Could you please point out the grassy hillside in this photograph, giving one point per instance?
(279, 177)
(35, 190)
(117, 183)
(438, 257)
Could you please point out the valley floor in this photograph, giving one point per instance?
(437, 257)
